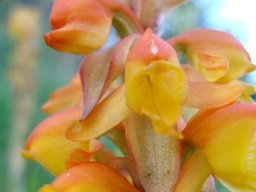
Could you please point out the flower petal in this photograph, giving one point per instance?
(93, 177)
(220, 46)
(99, 69)
(211, 67)
(204, 95)
(64, 98)
(227, 137)
(155, 82)
(105, 116)
(48, 145)
(78, 26)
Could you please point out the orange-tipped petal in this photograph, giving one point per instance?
(78, 26)
(205, 95)
(92, 177)
(218, 48)
(157, 157)
(99, 70)
(105, 116)
(227, 138)
(64, 98)
(48, 145)
(155, 82)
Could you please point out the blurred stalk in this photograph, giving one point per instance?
(23, 27)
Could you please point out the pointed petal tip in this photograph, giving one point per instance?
(26, 154)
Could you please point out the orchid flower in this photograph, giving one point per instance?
(178, 126)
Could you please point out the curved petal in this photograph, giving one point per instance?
(155, 82)
(211, 67)
(220, 47)
(64, 98)
(227, 138)
(92, 177)
(105, 116)
(78, 26)
(99, 69)
(204, 95)
(48, 145)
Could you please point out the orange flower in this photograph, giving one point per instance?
(78, 26)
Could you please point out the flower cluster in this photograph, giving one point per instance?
(179, 126)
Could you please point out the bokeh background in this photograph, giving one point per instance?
(30, 71)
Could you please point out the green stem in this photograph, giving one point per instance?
(193, 174)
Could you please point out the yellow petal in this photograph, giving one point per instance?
(249, 90)
(155, 82)
(157, 91)
(211, 67)
(227, 137)
(193, 173)
(221, 48)
(105, 116)
(92, 177)
(48, 145)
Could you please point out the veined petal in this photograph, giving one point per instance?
(204, 95)
(48, 145)
(66, 97)
(78, 26)
(99, 69)
(222, 46)
(227, 138)
(105, 116)
(92, 177)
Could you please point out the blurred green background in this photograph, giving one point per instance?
(30, 71)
